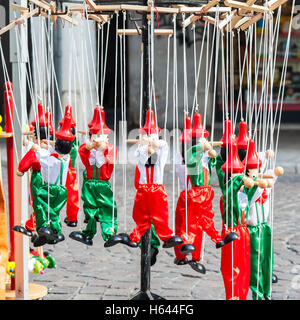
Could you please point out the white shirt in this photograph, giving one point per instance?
(205, 160)
(141, 154)
(97, 158)
(182, 172)
(51, 166)
(257, 210)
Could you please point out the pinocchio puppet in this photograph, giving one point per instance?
(260, 231)
(30, 224)
(237, 193)
(99, 157)
(48, 185)
(151, 203)
(199, 209)
(182, 210)
(39, 128)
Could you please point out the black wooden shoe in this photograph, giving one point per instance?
(125, 240)
(231, 236)
(154, 253)
(187, 248)
(274, 278)
(60, 238)
(39, 240)
(22, 230)
(197, 266)
(43, 231)
(180, 262)
(52, 241)
(69, 223)
(112, 241)
(78, 236)
(172, 242)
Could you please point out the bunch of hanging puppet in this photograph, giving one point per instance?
(245, 183)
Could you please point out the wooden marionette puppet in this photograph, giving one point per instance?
(151, 203)
(72, 183)
(260, 231)
(237, 193)
(200, 159)
(98, 157)
(182, 209)
(30, 224)
(40, 131)
(50, 194)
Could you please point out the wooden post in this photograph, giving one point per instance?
(8, 102)
(20, 184)
(3, 239)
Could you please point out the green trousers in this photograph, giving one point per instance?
(49, 200)
(261, 260)
(73, 155)
(154, 238)
(36, 182)
(97, 199)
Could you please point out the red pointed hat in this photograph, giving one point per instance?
(68, 110)
(99, 126)
(252, 160)
(187, 131)
(233, 163)
(48, 116)
(243, 137)
(198, 130)
(64, 133)
(96, 115)
(41, 119)
(150, 125)
(228, 136)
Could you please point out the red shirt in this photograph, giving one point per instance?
(106, 169)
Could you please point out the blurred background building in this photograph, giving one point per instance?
(63, 45)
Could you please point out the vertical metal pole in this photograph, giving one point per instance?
(20, 186)
(146, 239)
(145, 293)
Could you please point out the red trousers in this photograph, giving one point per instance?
(73, 195)
(189, 233)
(201, 213)
(235, 264)
(151, 206)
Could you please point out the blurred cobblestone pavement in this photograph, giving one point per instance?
(114, 273)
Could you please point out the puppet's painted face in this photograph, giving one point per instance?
(99, 137)
(252, 173)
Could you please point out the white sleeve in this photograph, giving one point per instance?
(243, 200)
(42, 155)
(141, 154)
(163, 152)
(256, 195)
(101, 160)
